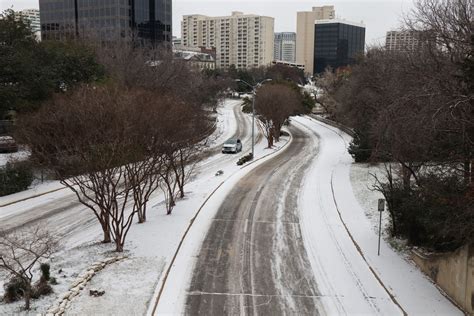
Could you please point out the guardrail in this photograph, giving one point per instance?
(335, 124)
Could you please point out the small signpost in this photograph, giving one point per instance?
(381, 209)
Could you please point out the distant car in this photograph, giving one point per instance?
(232, 146)
(8, 144)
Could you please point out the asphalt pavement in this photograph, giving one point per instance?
(253, 260)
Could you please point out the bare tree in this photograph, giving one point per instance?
(445, 28)
(415, 109)
(101, 143)
(328, 83)
(21, 250)
(274, 104)
(168, 186)
(144, 179)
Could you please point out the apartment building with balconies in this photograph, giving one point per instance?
(243, 40)
(404, 41)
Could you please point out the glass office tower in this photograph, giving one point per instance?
(150, 20)
(337, 44)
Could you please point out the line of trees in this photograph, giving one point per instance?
(415, 108)
(114, 146)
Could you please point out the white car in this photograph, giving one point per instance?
(232, 146)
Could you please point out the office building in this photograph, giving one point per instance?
(33, 17)
(243, 40)
(337, 43)
(149, 20)
(285, 47)
(305, 34)
(402, 41)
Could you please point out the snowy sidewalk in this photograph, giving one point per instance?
(342, 245)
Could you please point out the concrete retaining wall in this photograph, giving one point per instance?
(453, 272)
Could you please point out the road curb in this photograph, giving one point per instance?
(32, 197)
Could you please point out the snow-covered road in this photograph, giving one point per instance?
(342, 246)
(291, 238)
(252, 260)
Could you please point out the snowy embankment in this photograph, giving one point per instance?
(129, 284)
(342, 244)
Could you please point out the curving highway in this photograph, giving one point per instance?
(253, 259)
(291, 239)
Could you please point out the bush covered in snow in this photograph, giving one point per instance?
(244, 159)
(15, 177)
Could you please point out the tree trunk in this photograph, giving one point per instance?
(27, 296)
(118, 245)
(171, 199)
(141, 216)
(182, 166)
(406, 176)
(106, 231)
(276, 134)
(141, 209)
(270, 140)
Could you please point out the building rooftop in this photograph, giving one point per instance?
(342, 21)
(234, 14)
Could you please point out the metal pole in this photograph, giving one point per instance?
(380, 232)
(253, 122)
(381, 208)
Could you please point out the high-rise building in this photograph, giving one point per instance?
(285, 47)
(402, 41)
(33, 17)
(150, 20)
(305, 34)
(243, 40)
(337, 43)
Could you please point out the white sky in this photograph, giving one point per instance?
(379, 16)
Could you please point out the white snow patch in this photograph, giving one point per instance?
(10, 157)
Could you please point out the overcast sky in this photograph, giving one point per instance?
(379, 16)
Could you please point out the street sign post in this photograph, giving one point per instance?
(381, 208)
